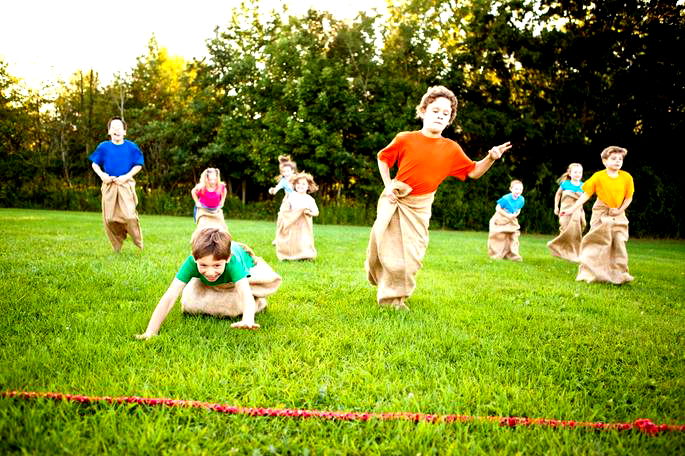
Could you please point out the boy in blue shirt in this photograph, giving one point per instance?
(503, 239)
(220, 278)
(116, 162)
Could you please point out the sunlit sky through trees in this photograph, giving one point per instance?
(43, 41)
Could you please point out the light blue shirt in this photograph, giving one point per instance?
(568, 185)
(511, 205)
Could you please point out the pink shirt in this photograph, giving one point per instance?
(211, 199)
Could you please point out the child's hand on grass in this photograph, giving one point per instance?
(144, 336)
(245, 325)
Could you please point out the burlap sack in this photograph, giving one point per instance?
(224, 300)
(503, 238)
(294, 235)
(603, 255)
(119, 213)
(567, 244)
(397, 245)
(208, 218)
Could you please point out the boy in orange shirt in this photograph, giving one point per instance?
(424, 158)
(603, 255)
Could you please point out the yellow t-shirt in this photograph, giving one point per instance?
(611, 190)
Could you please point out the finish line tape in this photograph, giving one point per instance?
(645, 426)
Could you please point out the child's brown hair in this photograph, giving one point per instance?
(431, 95)
(212, 241)
(609, 151)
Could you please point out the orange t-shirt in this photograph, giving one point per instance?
(611, 190)
(423, 162)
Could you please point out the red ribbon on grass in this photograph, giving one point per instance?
(643, 425)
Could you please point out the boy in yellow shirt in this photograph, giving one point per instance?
(603, 255)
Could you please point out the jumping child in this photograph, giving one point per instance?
(221, 278)
(209, 196)
(116, 162)
(603, 253)
(287, 168)
(503, 239)
(567, 244)
(399, 236)
(295, 228)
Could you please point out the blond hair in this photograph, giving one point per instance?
(609, 151)
(431, 95)
(283, 161)
(212, 241)
(515, 181)
(203, 178)
(567, 174)
(312, 187)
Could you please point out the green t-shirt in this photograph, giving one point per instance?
(237, 267)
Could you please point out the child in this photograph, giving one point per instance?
(399, 236)
(503, 240)
(287, 168)
(294, 230)
(116, 162)
(603, 254)
(220, 278)
(567, 244)
(209, 196)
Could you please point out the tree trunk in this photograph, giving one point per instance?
(243, 189)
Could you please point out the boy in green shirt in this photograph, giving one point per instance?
(220, 278)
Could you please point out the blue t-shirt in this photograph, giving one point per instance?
(117, 159)
(509, 204)
(285, 185)
(237, 267)
(568, 185)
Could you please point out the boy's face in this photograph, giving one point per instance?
(301, 186)
(117, 131)
(210, 267)
(437, 114)
(613, 162)
(516, 190)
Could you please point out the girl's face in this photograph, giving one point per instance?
(287, 171)
(301, 186)
(211, 179)
(575, 173)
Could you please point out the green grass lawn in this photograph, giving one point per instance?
(483, 337)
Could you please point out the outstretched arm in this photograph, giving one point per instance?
(163, 308)
(493, 154)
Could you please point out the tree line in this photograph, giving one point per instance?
(559, 79)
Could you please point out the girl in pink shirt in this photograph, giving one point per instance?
(210, 193)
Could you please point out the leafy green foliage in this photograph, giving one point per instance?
(561, 80)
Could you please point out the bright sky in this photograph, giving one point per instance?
(47, 40)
